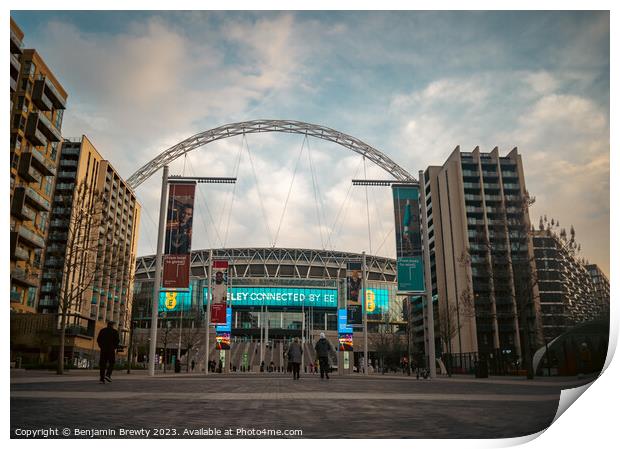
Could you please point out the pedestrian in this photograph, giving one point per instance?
(294, 355)
(193, 365)
(323, 350)
(272, 367)
(108, 341)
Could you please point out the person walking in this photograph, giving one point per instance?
(323, 350)
(294, 356)
(108, 341)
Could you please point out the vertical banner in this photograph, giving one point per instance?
(219, 291)
(178, 242)
(354, 293)
(409, 255)
(345, 332)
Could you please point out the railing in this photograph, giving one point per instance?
(31, 237)
(37, 198)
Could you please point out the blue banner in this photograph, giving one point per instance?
(343, 327)
(409, 255)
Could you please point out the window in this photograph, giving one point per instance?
(42, 224)
(32, 294)
(58, 121)
(54, 151)
(48, 185)
(14, 160)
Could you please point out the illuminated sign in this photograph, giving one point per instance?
(282, 297)
(222, 341)
(175, 300)
(343, 327)
(345, 342)
(377, 301)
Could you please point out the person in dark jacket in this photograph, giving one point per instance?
(323, 349)
(294, 356)
(108, 341)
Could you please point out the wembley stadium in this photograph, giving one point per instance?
(275, 294)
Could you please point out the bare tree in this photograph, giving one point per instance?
(192, 336)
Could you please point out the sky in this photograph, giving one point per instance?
(413, 85)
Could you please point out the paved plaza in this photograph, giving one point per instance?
(253, 405)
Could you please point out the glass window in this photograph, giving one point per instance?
(54, 151)
(32, 294)
(58, 121)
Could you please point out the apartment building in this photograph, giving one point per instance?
(568, 295)
(37, 104)
(481, 254)
(601, 287)
(102, 280)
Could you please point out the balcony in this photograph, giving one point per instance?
(66, 174)
(29, 237)
(13, 85)
(20, 210)
(40, 162)
(33, 134)
(27, 171)
(24, 277)
(27, 194)
(39, 98)
(15, 66)
(53, 94)
(20, 253)
(471, 185)
(46, 126)
(16, 44)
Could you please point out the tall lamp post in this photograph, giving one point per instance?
(158, 257)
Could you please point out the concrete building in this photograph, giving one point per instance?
(601, 287)
(567, 292)
(481, 254)
(37, 104)
(102, 280)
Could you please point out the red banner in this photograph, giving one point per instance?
(218, 314)
(176, 271)
(179, 218)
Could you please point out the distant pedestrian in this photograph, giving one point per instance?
(193, 365)
(294, 355)
(323, 350)
(108, 341)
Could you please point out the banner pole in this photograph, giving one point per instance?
(208, 313)
(158, 264)
(430, 320)
(364, 317)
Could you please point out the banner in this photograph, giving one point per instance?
(354, 293)
(377, 301)
(175, 300)
(222, 340)
(219, 291)
(178, 242)
(228, 326)
(343, 327)
(176, 271)
(409, 255)
(345, 342)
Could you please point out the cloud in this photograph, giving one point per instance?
(414, 85)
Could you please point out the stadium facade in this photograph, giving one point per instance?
(292, 292)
